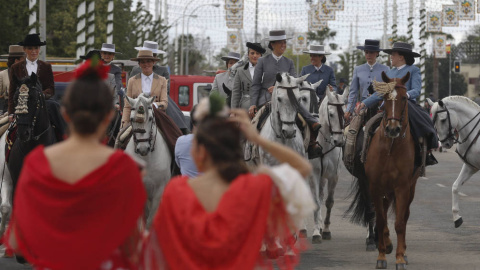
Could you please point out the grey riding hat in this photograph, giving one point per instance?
(231, 55)
(150, 46)
(402, 47)
(317, 49)
(275, 35)
(107, 47)
(370, 45)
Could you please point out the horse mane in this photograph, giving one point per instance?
(463, 100)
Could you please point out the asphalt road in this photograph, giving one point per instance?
(432, 240)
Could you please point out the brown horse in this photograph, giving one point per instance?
(390, 170)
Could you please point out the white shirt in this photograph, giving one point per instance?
(147, 83)
(31, 66)
(277, 57)
(251, 68)
(318, 68)
(400, 67)
(371, 66)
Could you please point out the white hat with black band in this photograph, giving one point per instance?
(275, 35)
(317, 49)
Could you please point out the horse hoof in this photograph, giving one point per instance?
(401, 266)
(406, 260)
(316, 239)
(326, 235)
(389, 249)
(381, 265)
(302, 233)
(458, 222)
(371, 247)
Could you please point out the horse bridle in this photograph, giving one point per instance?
(151, 136)
(294, 104)
(451, 131)
(402, 115)
(35, 117)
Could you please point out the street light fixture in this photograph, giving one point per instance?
(183, 28)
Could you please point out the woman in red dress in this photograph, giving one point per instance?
(220, 219)
(78, 203)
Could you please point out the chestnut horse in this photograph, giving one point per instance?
(390, 170)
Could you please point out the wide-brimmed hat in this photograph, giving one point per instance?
(275, 35)
(90, 54)
(402, 47)
(256, 47)
(370, 45)
(151, 46)
(317, 49)
(15, 51)
(145, 55)
(231, 55)
(32, 40)
(107, 47)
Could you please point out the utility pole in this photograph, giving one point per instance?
(435, 74)
(423, 51)
(256, 20)
(385, 25)
(81, 11)
(410, 22)
(110, 22)
(43, 28)
(394, 21)
(32, 19)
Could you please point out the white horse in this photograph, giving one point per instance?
(147, 144)
(457, 114)
(6, 188)
(325, 168)
(280, 126)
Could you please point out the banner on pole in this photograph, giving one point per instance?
(233, 4)
(335, 4)
(313, 23)
(233, 41)
(450, 15)
(238, 24)
(301, 40)
(434, 21)
(297, 50)
(440, 46)
(234, 14)
(478, 6)
(466, 10)
(322, 13)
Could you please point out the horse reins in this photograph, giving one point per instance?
(295, 105)
(451, 135)
(143, 131)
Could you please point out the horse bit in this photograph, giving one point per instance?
(140, 119)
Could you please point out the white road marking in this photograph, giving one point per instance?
(462, 194)
(424, 178)
(440, 185)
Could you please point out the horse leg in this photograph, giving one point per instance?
(6, 199)
(332, 184)
(317, 214)
(402, 195)
(370, 241)
(386, 231)
(381, 220)
(463, 177)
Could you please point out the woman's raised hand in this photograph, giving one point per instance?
(240, 116)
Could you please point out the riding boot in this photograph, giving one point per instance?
(314, 149)
(430, 160)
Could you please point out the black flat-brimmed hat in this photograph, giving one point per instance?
(402, 47)
(275, 35)
(256, 47)
(32, 40)
(231, 55)
(15, 51)
(370, 45)
(90, 54)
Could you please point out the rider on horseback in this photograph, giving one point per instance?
(264, 79)
(31, 45)
(421, 125)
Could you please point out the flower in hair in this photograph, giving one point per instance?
(214, 105)
(93, 66)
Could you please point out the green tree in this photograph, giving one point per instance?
(14, 22)
(344, 64)
(459, 86)
(323, 35)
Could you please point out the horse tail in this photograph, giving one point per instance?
(361, 210)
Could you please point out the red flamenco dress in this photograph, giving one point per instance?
(91, 224)
(257, 209)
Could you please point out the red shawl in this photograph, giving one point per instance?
(75, 226)
(229, 238)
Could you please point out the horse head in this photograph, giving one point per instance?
(445, 122)
(28, 100)
(143, 124)
(332, 112)
(285, 99)
(395, 103)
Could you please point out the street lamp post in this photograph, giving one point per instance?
(183, 32)
(188, 24)
(175, 53)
